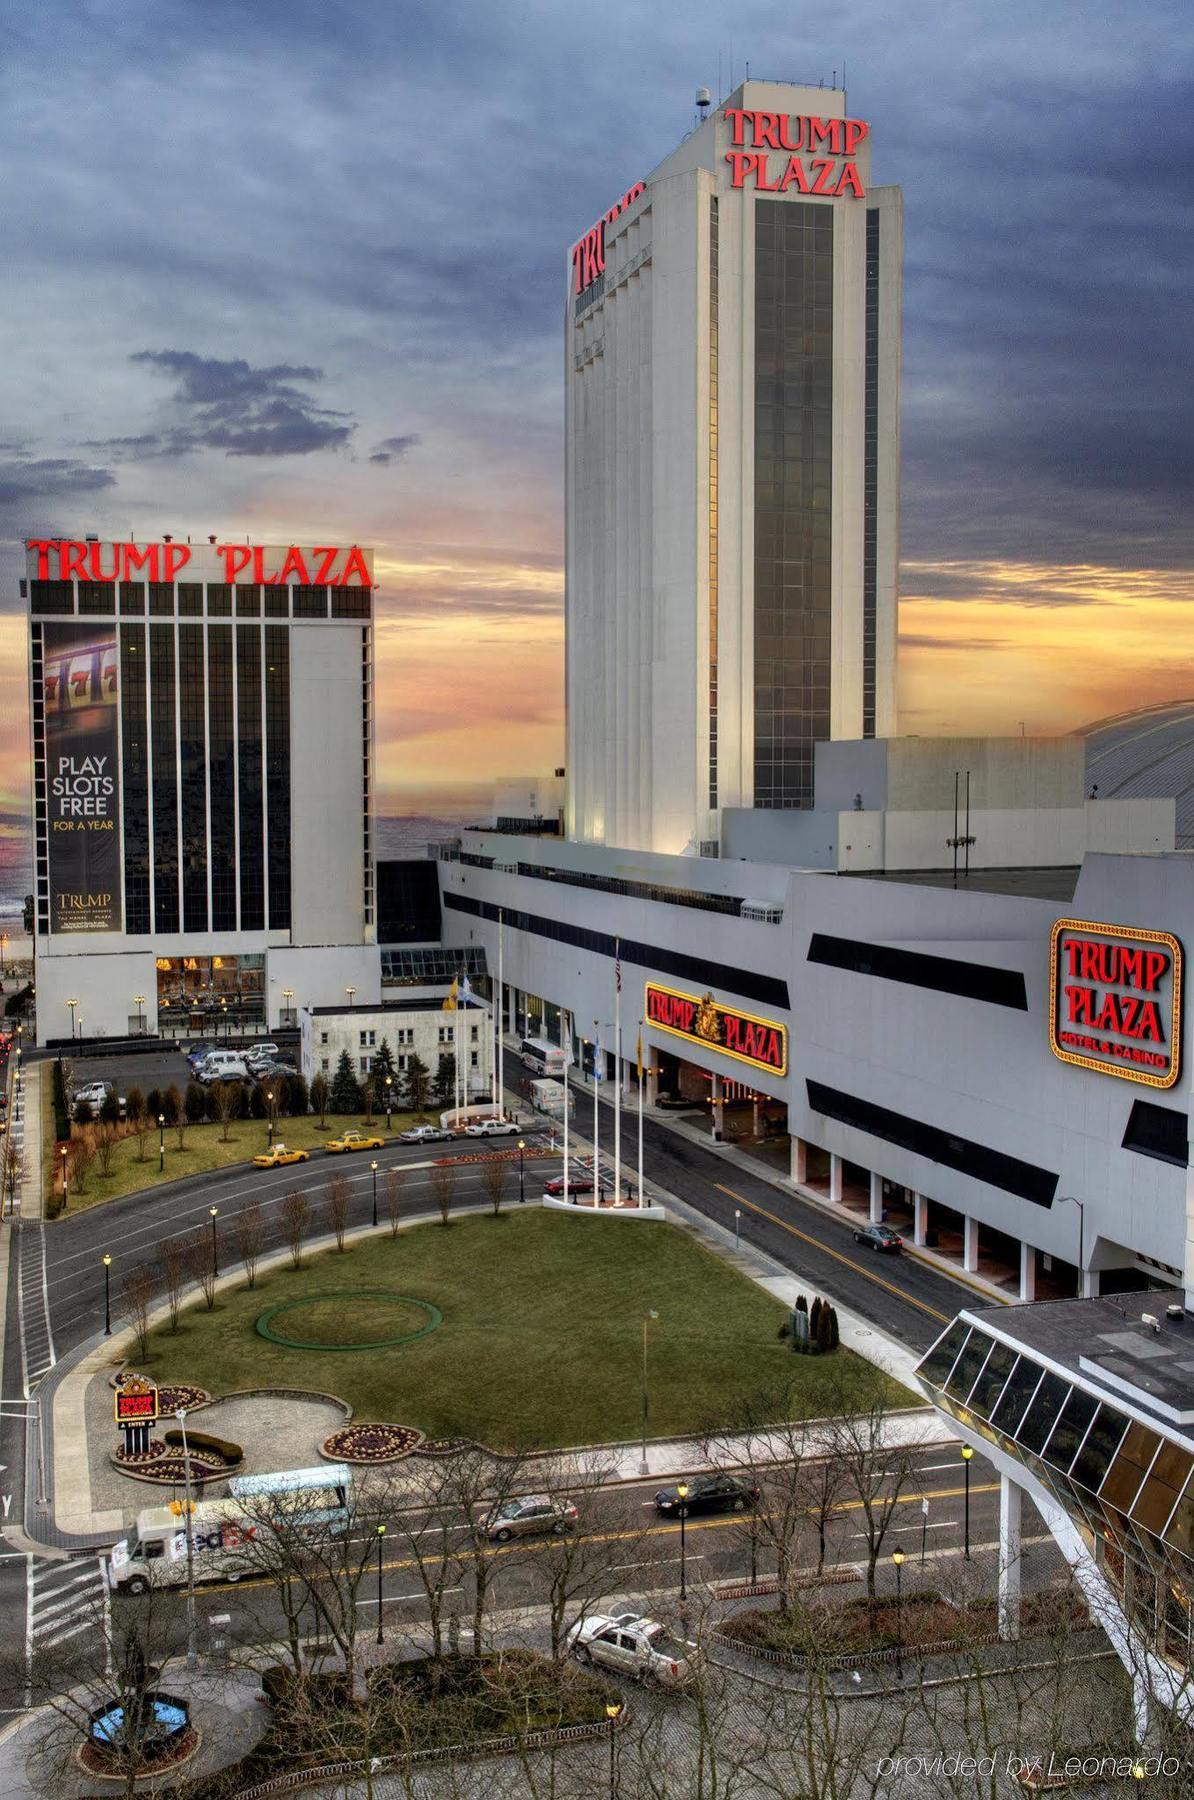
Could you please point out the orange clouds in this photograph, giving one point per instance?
(985, 647)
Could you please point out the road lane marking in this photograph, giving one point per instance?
(848, 1261)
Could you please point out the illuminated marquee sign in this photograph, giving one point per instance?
(1115, 1000)
(266, 565)
(703, 1020)
(136, 1401)
(779, 152)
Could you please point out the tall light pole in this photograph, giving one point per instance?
(107, 1296)
(967, 1454)
(897, 1557)
(213, 1213)
(288, 996)
(381, 1532)
(64, 1192)
(682, 1492)
(737, 1224)
(351, 992)
(647, 1318)
(389, 1098)
(613, 1712)
(139, 1003)
(373, 1167)
(161, 1142)
(269, 1111)
(72, 1004)
(522, 1185)
(192, 1656)
(1081, 1205)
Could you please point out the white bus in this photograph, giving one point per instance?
(222, 1531)
(542, 1057)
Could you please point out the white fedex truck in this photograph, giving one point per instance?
(222, 1531)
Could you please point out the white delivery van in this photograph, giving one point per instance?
(222, 1065)
(222, 1531)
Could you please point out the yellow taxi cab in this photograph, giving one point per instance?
(278, 1157)
(352, 1140)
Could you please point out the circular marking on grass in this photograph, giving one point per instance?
(346, 1303)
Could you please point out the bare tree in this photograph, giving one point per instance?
(296, 1217)
(136, 1298)
(391, 1193)
(250, 1236)
(106, 1138)
(80, 1156)
(581, 1564)
(443, 1189)
(174, 1265)
(226, 1101)
(494, 1175)
(201, 1265)
(368, 1098)
(318, 1097)
(339, 1195)
(875, 1471)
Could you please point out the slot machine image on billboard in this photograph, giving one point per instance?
(81, 694)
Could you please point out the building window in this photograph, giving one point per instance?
(165, 777)
(713, 332)
(793, 500)
(472, 1031)
(870, 473)
(277, 773)
(323, 1037)
(324, 1062)
(221, 777)
(310, 602)
(402, 1063)
(473, 1059)
(135, 745)
(365, 1065)
(445, 1034)
(251, 790)
(192, 763)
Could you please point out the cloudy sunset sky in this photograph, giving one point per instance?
(296, 270)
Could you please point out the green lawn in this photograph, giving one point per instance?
(203, 1149)
(542, 1336)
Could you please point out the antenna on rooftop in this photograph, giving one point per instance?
(703, 103)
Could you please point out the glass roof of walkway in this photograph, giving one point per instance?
(1096, 1403)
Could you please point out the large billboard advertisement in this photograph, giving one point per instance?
(81, 694)
(763, 1043)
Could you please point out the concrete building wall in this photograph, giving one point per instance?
(427, 1033)
(327, 786)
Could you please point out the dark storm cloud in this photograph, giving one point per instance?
(245, 411)
(37, 494)
(393, 449)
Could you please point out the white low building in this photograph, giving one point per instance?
(411, 1028)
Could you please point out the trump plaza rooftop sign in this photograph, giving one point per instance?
(1115, 1000)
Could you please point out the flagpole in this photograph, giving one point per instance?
(566, 1046)
(617, 1072)
(640, 1112)
(499, 1029)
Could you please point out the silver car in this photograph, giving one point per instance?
(628, 1644)
(530, 1516)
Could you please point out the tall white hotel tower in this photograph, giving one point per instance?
(733, 391)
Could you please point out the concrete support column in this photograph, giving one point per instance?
(718, 1111)
(1010, 1498)
(1027, 1272)
(798, 1164)
(1089, 1284)
(876, 1214)
(970, 1244)
(835, 1179)
(920, 1219)
(754, 1118)
(651, 1077)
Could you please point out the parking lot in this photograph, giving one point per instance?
(151, 1068)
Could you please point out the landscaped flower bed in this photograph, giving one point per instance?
(139, 1458)
(857, 1626)
(169, 1466)
(178, 1395)
(370, 1443)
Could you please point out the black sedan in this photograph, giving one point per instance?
(879, 1237)
(707, 1493)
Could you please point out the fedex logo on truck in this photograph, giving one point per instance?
(220, 1537)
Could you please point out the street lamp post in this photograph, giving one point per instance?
(897, 1557)
(213, 1213)
(139, 1003)
(613, 1712)
(192, 1656)
(1081, 1205)
(65, 1196)
(288, 996)
(72, 1004)
(647, 1318)
(522, 1184)
(351, 992)
(161, 1142)
(967, 1454)
(381, 1532)
(269, 1108)
(682, 1492)
(389, 1099)
(107, 1296)
(737, 1224)
(373, 1167)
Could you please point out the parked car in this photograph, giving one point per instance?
(198, 1053)
(580, 1181)
(632, 1645)
(530, 1516)
(879, 1237)
(278, 1157)
(352, 1140)
(485, 1128)
(708, 1493)
(270, 1071)
(222, 1065)
(94, 1093)
(262, 1052)
(424, 1134)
